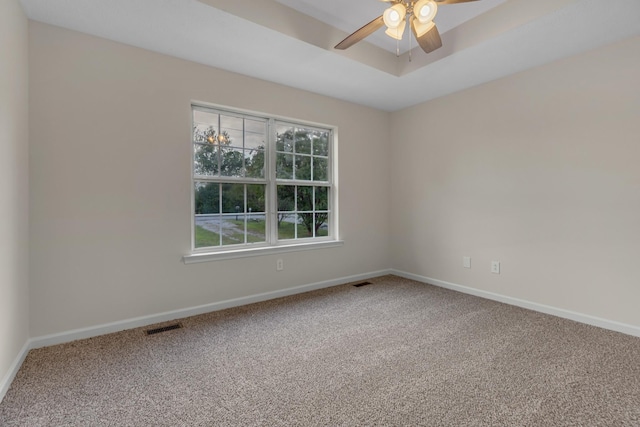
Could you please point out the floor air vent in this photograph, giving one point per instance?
(362, 284)
(164, 329)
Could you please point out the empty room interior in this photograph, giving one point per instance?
(481, 180)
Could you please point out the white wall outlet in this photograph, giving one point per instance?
(279, 264)
(495, 267)
(466, 261)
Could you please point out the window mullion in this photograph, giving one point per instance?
(295, 209)
(303, 183)
(332, 199)
(219, 156)
(244, 213)
(220, 212)
(272, 187)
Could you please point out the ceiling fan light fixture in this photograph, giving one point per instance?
(394, 16)
(422, 29)
(425, 10)
(397, 32)
(417, 14)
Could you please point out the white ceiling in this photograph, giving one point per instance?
(267, 40)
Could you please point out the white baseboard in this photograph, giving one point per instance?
(554, 311)
(13, 369)
(77, 334)
(137, 322)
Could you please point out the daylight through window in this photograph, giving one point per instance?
(259, 181)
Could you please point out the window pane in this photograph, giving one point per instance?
(305, 199)
(322, 198)
(234, 226)
(284, 139)
(233, 231)
(303, 141)
(205, 159)
(231, 122)
(303, 168)
(254, 163)
(321, 144)
(321, 224)
(255, 133)
(286, 198)
(286, 226)
(232, 223)
(255, 126)
(232, 162)
(284, 166)
(207, 218)
(255, 229)
(204, 133)
(305, 225)
(231, 138)
(204, 124)
(256, 199)
(320, 169)
(207, 198)
(256, 217)
(207, 231)
(205, 117)
(231, 129)
(232, 199)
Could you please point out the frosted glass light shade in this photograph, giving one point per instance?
(394, 15)
(425, 10)
(397, 32)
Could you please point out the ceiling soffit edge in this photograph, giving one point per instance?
(277, 17)
(501, 19)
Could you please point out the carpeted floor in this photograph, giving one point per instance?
(393, 353)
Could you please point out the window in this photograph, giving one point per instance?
(260, 182)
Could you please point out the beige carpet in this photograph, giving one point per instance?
(394, 353)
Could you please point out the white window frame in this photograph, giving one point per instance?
(272, 244)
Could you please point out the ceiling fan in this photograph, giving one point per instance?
(419, 14)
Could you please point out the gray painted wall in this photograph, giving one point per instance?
(14, 185)
(110, 184)
(539, 171)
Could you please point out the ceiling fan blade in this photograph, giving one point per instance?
(452, 1)
(430, 40)
(360, 34)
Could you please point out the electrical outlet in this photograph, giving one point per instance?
(495, 267)
(279, 264)
(466, 261)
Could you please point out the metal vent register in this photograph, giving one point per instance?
(164, 329)
(362, 284)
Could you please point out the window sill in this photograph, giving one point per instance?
(270, 250)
